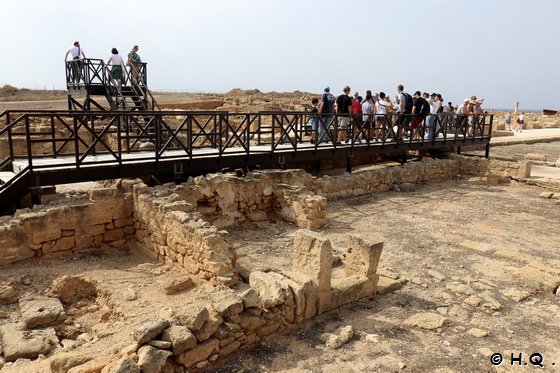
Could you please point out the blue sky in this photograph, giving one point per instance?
(502, 50)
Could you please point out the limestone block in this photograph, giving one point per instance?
(180, 337)
(151, 359)
(226, 302)
(113, 235)
(536, 157)
(97, 217)
(102, 193)
(209, 327)
(92, 366)
(362, 256)
(27, 344)
(271, 287)
(38, 311)
(40, 236)
(537, 278)
(524, 169)
(192, 315)
(120, 223)
(173, 285)
(339, 338)
(313, 257)
(162, 345)
(386, 285)
(8, 294)
(347, 290)
(249, 322)
(256, 216)
(200, 353)
(11, 254)
(425, 320)
(63, 244)
(250, 298)
(63, 362)
(124, 365)
(149, 329)
(84, 242)
(230, 348)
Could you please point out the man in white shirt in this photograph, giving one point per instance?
(76, 67)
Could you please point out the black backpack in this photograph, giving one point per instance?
(407, 102)
(425, 108)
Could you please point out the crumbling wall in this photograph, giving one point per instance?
(175, 232)
(266, 302)
(100, 220)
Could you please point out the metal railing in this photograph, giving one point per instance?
(79, 137)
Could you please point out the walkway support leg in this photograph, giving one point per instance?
(487, 152)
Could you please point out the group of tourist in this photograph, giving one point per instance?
(371, 117)
(115, 61)
(520, 122)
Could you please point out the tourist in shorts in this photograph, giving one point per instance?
(520, 122)
(342, 108)
(314, 119)
(326, 108)
(367, 115)
(507, 122)
(381, 110)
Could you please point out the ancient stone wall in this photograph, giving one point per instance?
(180, 223)
(100, 220)
(264, 303)
(175, 232)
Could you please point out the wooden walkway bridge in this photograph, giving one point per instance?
(133, 139)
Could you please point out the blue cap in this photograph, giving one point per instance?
(327, 88)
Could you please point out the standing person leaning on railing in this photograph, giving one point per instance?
(76, 67)
(134, 62)
(462, 115)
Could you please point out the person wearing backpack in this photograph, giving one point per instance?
(326, 108)
(404, 108)
(420, 110)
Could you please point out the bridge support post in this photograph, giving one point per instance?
(349, 162)
(487, 151)
(458, 150)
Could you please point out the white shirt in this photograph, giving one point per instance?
(116, 59)
(381, 107)
(367, 109)
(434, 106)
(75, 52)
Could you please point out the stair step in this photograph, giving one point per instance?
(6, 176)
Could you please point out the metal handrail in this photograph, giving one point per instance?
(218, 132)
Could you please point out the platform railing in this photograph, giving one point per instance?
(76, 139)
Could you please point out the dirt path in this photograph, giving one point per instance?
(474, 291)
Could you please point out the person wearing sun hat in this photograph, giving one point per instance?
(326, 108)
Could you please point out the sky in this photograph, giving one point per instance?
(501, 50)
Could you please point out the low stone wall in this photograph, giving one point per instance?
(180, 223)
(265, 303)
(100, 220)
(175, 232)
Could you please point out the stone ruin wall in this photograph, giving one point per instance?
(173, 223)
(181, 223)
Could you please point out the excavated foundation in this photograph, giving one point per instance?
(186, 226)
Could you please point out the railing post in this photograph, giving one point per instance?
(29, 147)
(53, 143)
(157, 139)
(10, 143)
(76, 143)
(119, 147)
